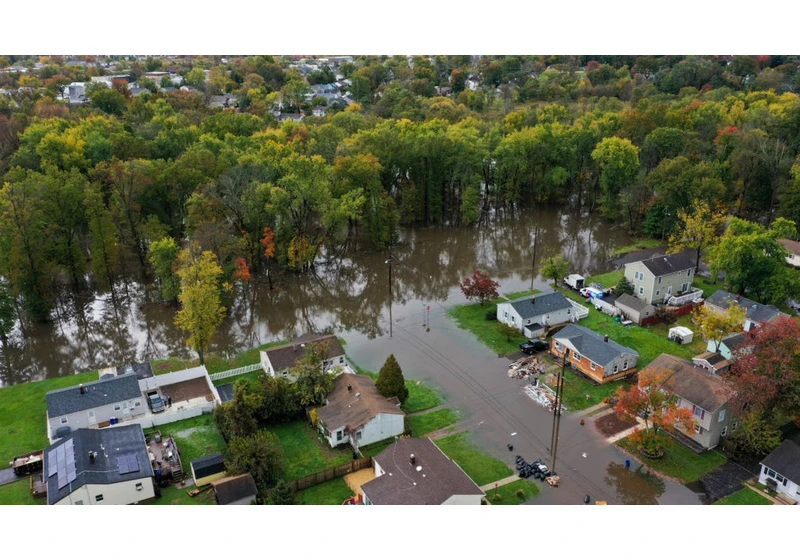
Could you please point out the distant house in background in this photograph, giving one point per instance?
(356, 413)
(277, 361)
(757, 313)
(75, 93)
(597, 357)
(657, 279)
(235, 490)
(223, 101)
(414, 471)
(92, 404)
(706, 395)
(109, 467)
(634, 309)
(792, 252)
(206, 470)
(780, 470)
(532, 315)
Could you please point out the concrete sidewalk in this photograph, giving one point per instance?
(502, 482)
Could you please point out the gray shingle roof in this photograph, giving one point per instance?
(438, 479)
(785, 460)
(694, 384)
(234, 488)
(757, 312)
(97, 394)
(286, 356)
(116, 442)
(734, 341)
(634, 303)
(532, 306)
(590, 344)
(345, 409)
(668, 264)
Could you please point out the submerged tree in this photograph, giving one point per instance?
(479, 286)
(555, 267)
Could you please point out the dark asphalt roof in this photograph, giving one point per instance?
(590, 344)
(436, 481)
(734, 341)
(757, 312)
(286, 356)
(97, 394)
(235, 488)
(668, 264)
(634, 303)
(532, 306)
(694, 384)
(225, 392)
(785, 460)
(109, 444)
(208, 465)
(345, 409)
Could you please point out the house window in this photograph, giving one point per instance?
(684, 286)
(64, 420)
(698, 430)
(722, 415)
(98, 498)
(678, 402)
(616, 368)
(79, 502)
(641, 290)
(559, 347)
(339, 435)
(117, 407)
(697, 411)
(341, 359)
(137, 403)
(358, 434)
(528, 322)
(689, 272)
(734, 426)
(593, 366)
(659, 279)
(505, 313)
(139, 487)
(568, 311)
(624, 365)
(780, 479)
(724, 431)
(658, 292)
(577, 357)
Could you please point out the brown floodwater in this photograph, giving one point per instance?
(348, 294)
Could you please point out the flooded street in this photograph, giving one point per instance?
(349, 294)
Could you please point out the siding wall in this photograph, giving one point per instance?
(121, 493)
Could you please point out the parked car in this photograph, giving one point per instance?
(156, 402)
(534, 346)
(592, 293)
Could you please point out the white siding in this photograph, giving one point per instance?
(383, 426)
(121, 493)
(790, 488)
(463, 500)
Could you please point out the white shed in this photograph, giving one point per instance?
(681, 335)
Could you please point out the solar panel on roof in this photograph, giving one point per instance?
(127, 464)
(52, 466)
(71, 474)
(62, 479)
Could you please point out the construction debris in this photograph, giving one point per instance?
(543, 395)
(523, 367)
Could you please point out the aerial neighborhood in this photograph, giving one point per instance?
(399, 280)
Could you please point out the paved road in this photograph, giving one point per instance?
(7, 476)
(495, 406)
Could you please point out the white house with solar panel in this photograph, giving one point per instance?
(108, 466)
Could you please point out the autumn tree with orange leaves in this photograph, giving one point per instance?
(658, 408)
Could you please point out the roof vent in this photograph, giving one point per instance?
(358, 395)
(412, 459)
(533, 300)
(349, 387)
(82, 389)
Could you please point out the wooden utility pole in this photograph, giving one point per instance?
(533, 260)
(389, 262)
(557, 410)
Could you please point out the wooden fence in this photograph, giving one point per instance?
(330, 474)
(234, 372)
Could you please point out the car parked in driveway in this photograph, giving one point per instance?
(590, 292)
(156, 402)
(534, 346)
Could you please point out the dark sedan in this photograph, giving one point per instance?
(534, 346)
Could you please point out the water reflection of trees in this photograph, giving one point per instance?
(634, 487)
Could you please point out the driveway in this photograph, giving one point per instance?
(497, 412)
(7, 476)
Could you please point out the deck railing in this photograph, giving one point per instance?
(234, 372)
(678, 301)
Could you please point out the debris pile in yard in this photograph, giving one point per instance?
(543, 395)
(537, 469)
(530, 365)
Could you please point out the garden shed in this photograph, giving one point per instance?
(681, 335)
(206, 470)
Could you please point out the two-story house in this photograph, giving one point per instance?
(91, 404)
(657, 279)
(702, 392)
(533, 314)
(595, 356)
(757, 313)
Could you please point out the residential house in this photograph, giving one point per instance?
(414, 471)
(206, 470)
(792, 252)
(99, 467)
(296, 117)
(75, 93)
(757, 313)
(235, 490)
(713, 362)
(634, 309)
(728, 345)
(226, 101)
(319, 111)
(780, 470)
(657, 279)
(279, 360)
(92, 404)
(473, 83)
(532, 315)
(706, 395)
(597, 357)
(356, 413)
(188, 393)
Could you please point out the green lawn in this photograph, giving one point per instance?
(679, 462)
(215, 363)
(576, 389)
(506, 495)
(331, 493)
(637, 245)
(19, 494)
(472, 317)
(482, 468)
(422, 424)
(23, 414)
(697, 345)
(648, 342)
(305, 451)
(174, 496)
(196, 437)
(514, 295)
(608, 279)
(706, 285)
(373, 449)
(745, 497)
(420, 397)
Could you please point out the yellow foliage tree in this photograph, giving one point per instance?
(715, 325)
(201, 310)
(697, 230)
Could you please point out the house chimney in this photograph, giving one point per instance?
(91, 457)
(82, 389)
(349, 387)
(533, 299)
(738, 297)
(412, 459)
(605, 338)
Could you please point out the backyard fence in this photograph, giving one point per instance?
(330, 474)
(234, 372)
